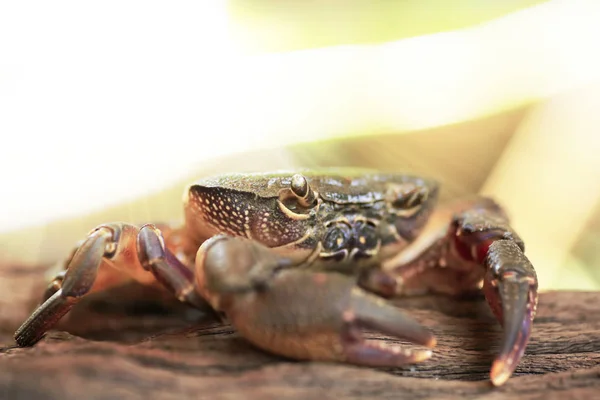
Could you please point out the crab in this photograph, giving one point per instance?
(301, 262)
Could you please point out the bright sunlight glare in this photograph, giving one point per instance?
(102, 102)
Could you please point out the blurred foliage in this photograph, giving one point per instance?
(266, 25)
(305, 95)
(437, 152)
(587, 248)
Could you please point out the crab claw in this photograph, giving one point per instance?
(317, 316)
(368, 311)
(302, 314)
(510, 287)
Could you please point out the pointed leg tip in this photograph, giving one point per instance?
(500, 372)
(26, 338)
(422, 356)
(431, 343)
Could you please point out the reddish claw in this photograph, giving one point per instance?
(510, 287)
(510, 282)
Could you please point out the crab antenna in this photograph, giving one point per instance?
(302, 190)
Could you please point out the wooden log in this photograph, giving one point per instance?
(131, 350)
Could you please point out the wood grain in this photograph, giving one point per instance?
(130, 349)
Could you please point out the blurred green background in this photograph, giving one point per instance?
(265, 25)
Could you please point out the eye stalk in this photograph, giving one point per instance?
(409, 205)
(298, 202)
(301, 189)
(405, 200)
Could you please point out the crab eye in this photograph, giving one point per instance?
(302, 191)
(407, 197)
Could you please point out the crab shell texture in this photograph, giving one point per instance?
(353, 217)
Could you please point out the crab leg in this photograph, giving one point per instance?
(67, 291)
(298, 313)
(114, 245)
(483, 236)
(510, 283)
(166, 268)
(478, 245)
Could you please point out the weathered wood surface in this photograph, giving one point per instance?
(147, 352)
(139, 350)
